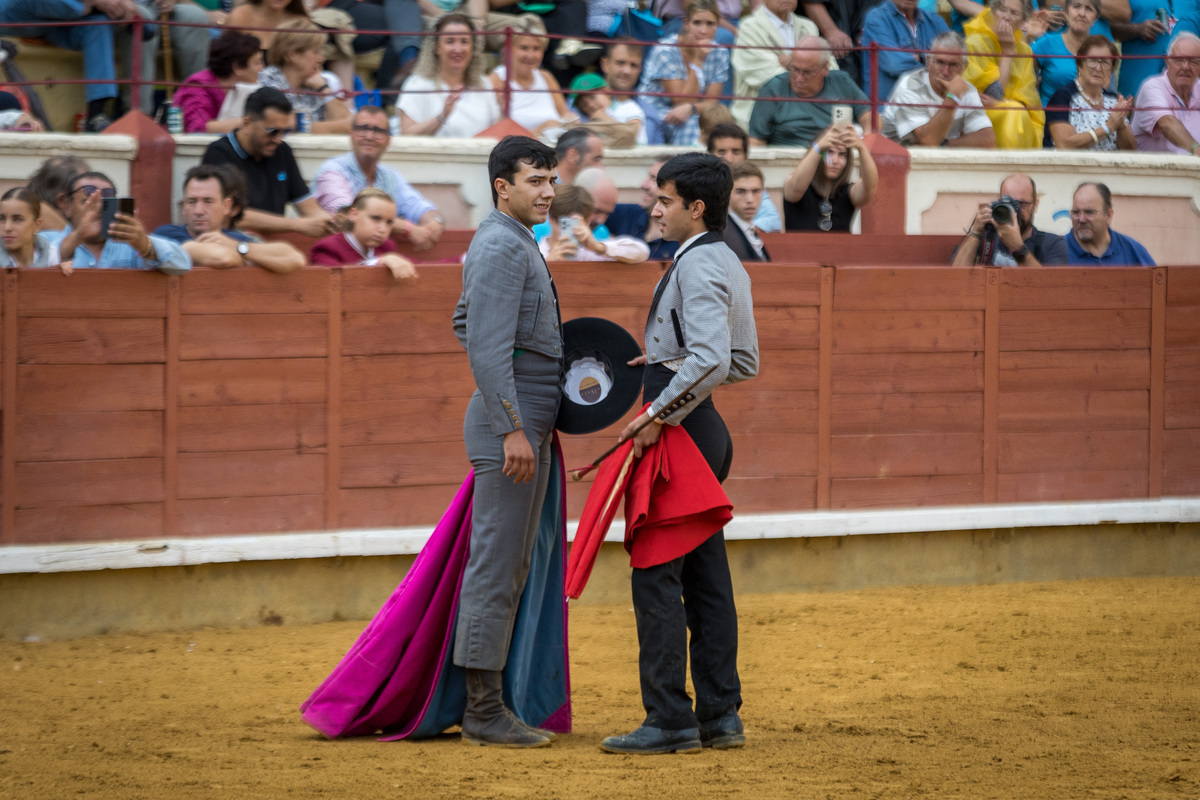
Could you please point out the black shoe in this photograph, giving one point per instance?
(97, 123)
(725, 733)
(647, 741)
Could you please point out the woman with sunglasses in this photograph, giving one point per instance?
(447, 94)
(1005, 79)
(818, 194)
(1097, 119)
(20, 226)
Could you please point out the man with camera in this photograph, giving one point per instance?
(1003, 235)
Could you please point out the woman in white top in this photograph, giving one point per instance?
(537, 99)
(447, 94)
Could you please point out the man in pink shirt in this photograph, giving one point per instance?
(1167, 119)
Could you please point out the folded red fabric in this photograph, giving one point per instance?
(673, 503)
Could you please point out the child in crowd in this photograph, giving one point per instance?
(368, 238)
(20, 223)
(573, 206)
(596, 105)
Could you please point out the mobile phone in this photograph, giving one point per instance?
(566, 229)
(110, 207)
(1056, 8)
(842, 115)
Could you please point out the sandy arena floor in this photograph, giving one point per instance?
(1075, 689)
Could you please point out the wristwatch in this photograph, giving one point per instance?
(243, 249)
(1020, 254)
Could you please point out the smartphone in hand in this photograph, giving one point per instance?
(110, 207)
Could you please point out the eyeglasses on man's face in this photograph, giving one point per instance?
(370, 130)
(89, 190)
(275, 133)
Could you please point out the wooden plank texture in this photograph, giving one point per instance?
(765, 495)
(89, 483)
(216, 336)
(422, 419)
(250, 474)
(907, 492)
(255, 291)
(252, 381)
(206, 429)
(232, 516)
(1104, 287)
(415, 464)
(1181, 463)
(1183, 327)
(934, 412)
(909, 289)
(881, 373)
(89, 523)
(401, 377)
(92, 293)
(783, 328)
(1074, 370)
(1183, 286)
(374, 289)
(1052, 329)
(768, 412)
(790, 285)
(1063, 486)
(119, 387)
(89, 435)
(56, 340)
(371, 333)
(907, 455)
(399, 506)
(907, 331)
(1074, 451)
(1080, 410)
(775, 455)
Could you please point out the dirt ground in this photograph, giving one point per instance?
(1075, 689)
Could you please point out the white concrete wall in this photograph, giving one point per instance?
(23, 153)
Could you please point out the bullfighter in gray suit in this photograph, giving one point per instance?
(508, 321)
(702, 315)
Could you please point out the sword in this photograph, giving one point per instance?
(679, 401)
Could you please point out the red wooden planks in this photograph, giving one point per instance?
(79, 483)
(299, 427)
(89, 435)
(217, 336)
(252, 382)
(907, 455)
(763, 495)
(117, 387)
(1074, 370)
(875, 373)
(1091, 451)
(401, 377)
(54, 340)
(1104, 287)
(388, 332)
(255, 291)
(231, 516)
(414, 464)
(1074, 410)
(909, 289)
(1064, 486)
(54, 525)
(1051, 329)
(437, 288)
(92, 293)
(250, 474)
(934, 412)
(388, 422)
(402, 506)
(907, 492)
(907, 331)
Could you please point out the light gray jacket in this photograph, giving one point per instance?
(508, 303)
(705, 316)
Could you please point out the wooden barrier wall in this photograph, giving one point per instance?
(136, 405)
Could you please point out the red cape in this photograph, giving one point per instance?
(673, 503)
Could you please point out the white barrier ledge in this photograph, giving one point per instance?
(17, 559)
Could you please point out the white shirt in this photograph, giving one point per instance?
(751, 234)
(625, 111)
(475, 111)
(914, 89)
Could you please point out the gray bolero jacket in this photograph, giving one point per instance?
(508, 303)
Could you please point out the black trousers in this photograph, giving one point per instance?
(692, 593)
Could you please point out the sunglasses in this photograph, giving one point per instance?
(273, 133)
(374, 130)
(89, 190)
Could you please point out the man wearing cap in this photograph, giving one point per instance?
(702, 316)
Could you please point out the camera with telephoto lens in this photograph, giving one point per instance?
(1005, 210)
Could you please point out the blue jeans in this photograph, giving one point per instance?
(94, 41)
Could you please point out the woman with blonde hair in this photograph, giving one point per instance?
(1007, 85)
(695, 68)
(447, 94)
(296, 56)
(537, 100)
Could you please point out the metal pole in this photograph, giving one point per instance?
(135, 64)
(874, 66)
(508, 71)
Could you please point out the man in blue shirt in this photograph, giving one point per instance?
(207, 234)
(1091, 242)
(124, 245)
(899, 23)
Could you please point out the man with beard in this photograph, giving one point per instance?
(1017, 242)
(1092, 242)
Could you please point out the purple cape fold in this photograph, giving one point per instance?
(398, 677)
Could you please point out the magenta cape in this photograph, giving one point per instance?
(398, 677)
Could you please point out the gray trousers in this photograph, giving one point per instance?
(504, 517)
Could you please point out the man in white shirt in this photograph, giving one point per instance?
(934, 105)
(744, 200)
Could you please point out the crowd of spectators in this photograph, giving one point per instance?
(1073, 76)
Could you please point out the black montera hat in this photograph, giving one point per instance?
(599, 386)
